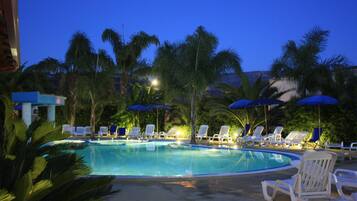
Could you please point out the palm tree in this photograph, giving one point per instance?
(127, 54)
(303, 63)
(259, 88)
(188, 68)
(79, 57)
(97, 85)
(27, 78)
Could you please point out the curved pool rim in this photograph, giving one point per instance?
(294, 158)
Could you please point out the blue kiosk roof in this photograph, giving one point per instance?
(35, 98)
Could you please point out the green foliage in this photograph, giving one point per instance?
(186, 69)
(6, 196)
(218, 105)
(233, 132)
(127, 55)
(336, 122)
(302, 62)
(183, 131)
(32, 171)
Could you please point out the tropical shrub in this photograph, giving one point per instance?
(217, 105)
(32, 171)
(183, 131)
(336, 122)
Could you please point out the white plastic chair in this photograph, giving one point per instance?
(345, 178)
(256, 137)
(134, 133)
(222, 135)
(313, 179)
(103, 130)
(149, 131)
(202, 132)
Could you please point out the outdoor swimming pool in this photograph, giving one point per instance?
(169, 159)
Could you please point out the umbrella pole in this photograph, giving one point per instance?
(319, 111)
(266, 121)
(157, 121)
(138, 119)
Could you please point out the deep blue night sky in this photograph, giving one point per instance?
(256, 29)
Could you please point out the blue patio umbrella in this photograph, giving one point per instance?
(265, 102)
(158, 107)
(138, 108)
(239, 104)
(318, 101)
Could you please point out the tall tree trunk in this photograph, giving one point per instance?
(193, 100)
(73, 109)
(2, 127)
(122, 86)
(123, 82)
(193, 117)
(92, 113)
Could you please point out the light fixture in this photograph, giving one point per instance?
(154, 82)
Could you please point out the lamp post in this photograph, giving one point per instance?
(155, 83)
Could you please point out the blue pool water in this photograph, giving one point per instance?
(164, 159)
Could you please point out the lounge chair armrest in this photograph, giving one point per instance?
(215, 135)
(338, 171)
(353, 145)
(340, 191)
(268, 137)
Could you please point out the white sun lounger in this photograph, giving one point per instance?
(172, 133)
(202, 132)
(297, 140)
(134, 133)
(345, 178)
(103, 131)
(293, 138)
(256, 137)
(275, 136)
(222, 135)
(313, 179)
(334, 145)
(149, 131)
(288, 138)
(66, 128)
(80, 131)
(87, 130)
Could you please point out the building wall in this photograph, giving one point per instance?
(285, 85)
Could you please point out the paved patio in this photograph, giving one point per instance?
(244, 187)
